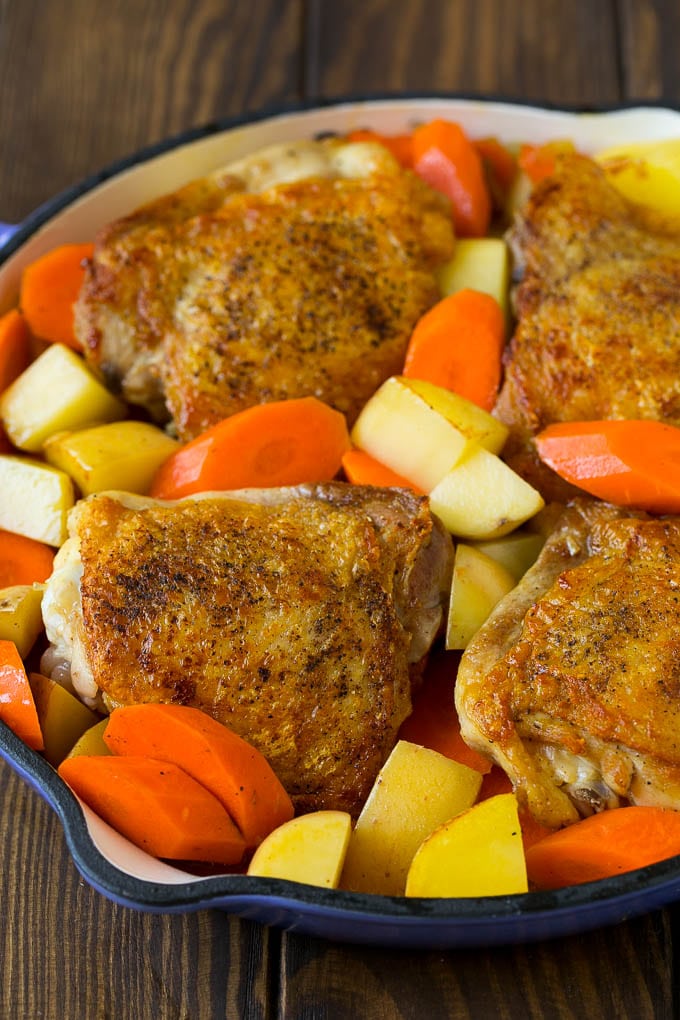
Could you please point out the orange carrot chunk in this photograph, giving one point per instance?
(632, 463)
(285, 442)
(23, 560)
(447, 160)
(362, 469)
(49, 288)
(15, 347)
(157, 806)
(500, 167)
(399, 145)
(434, 721)
(604, 845)
(458, 344)
(538, 161)
(17, 707)
(229, 767)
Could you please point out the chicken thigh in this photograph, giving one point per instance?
(573, 684)
(298, 617)
(598, 306)
(298, 272)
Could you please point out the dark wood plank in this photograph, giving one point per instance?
(622, 972)
(649, 31)
(65, 951)
(83, 83)
(537, 50)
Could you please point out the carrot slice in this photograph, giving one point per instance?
(399, 145)
(17, 707)
(500, 167)
(458, 344)
(447, 160)
(157, 806)
(232, 769)
(15, 347)
(631, 463)
(603, 845)
(285, 442)
(362, 469)
(538, 161)
(23, 560)
(434, 722)
(49, 288)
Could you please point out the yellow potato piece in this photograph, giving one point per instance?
(647, 173)
(516, 552)
(21, 616)
(481, 497)
(416, 791)
(57, 391)
(63, 719)
(478, 263)
(118, 455)
(91, 741)
(479, 583)
(309, 849)
(36, 499)
(478, 853)
(421, 431)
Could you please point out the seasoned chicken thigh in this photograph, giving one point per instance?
(598, 306)
(573, 684)
(298, 617)
(298, 272)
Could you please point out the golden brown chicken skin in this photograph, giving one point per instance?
(598, 306)
(220, 296)
(573, 684)
(298, 617)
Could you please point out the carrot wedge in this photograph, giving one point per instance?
(17, 707)
(225, 764)
(362, 469)
(23, 560)
(49, 288)
(434, 722)
(604, 845)
(15, 347)
(157, 806)
(458, 344)
(399, 145)
(285, 442)
(632, 463)
(447, 160)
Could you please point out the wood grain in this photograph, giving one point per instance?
(86, 81)
(541, 50)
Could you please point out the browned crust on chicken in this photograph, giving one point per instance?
(292, 616)
(598, 333)
(213, 299)
(573, 684)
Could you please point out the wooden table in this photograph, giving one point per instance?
(83, 82)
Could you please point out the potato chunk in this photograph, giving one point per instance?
(57, 391)
(36, 500)
(479, 583)
(309, 849)
(478, 853)
(63, 719)
(416, 791)
(647, 173)
(480, 263)
(481, 497)
(119, 455)
(21, 616)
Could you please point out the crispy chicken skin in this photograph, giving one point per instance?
(598, 306)
(572, 686)
(298, 617)
(300, 271)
